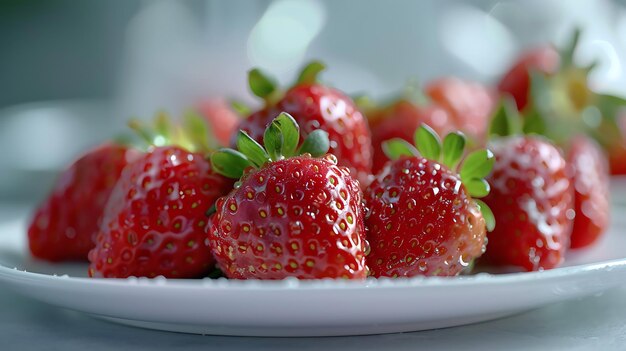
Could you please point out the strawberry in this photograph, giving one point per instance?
(469, 104)
(424, 217)
(531, 197)
(288, 216)
(533, 203)
(65, 224)
(591, 197)
(221, 118)
(516, 82)
(453, 104)
(315, 106)
(153, 223)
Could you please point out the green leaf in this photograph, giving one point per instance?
(477, 187)
(428, 142)
(240, 108)
(145, 133)
(478, 164)
(490, 219)
(506, 120)
(216, 273)
(396, 147)
(316, 143)
(310, 72)
(163, 125)
(290, 132)
(197, 132)
(567, 53)
(229, 163)
(536, 118)
(260, 84)
(610, 105)
(453, 147)
(211, 211)
(273, 141)
(534, 123)
(251, 149)
(414, 92)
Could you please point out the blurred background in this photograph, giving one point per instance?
(72, 72)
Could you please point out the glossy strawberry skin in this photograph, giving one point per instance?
(516, 82)
(469, 104)
(421, 221)
(533, 203)
(591, 191)
(299, 217)
(154, 220)
(65, 224)
(319, 107)
(400, 120)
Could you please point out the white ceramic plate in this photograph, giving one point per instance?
(310, 308)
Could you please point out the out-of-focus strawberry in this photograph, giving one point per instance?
(65, 224)
(449, 104)
(221, 118)
(469, 104)
(591, 196)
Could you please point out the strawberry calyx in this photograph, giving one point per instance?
(472, 170)
(563, 104)
(266, 87)
(506, 120)
(280, 141)
(192, 134)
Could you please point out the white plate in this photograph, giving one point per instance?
(310, 308)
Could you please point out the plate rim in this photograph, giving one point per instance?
(10, 275)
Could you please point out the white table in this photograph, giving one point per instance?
(595, 323)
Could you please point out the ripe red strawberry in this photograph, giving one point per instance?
(532, 201)
(591, 186)
(291, 217)
(65, 224)
(154, 221)
(516, 82)
(316, 106)
(424, 218)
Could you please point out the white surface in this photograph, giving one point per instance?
(292, 308)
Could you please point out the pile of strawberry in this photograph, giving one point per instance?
(308, 191)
